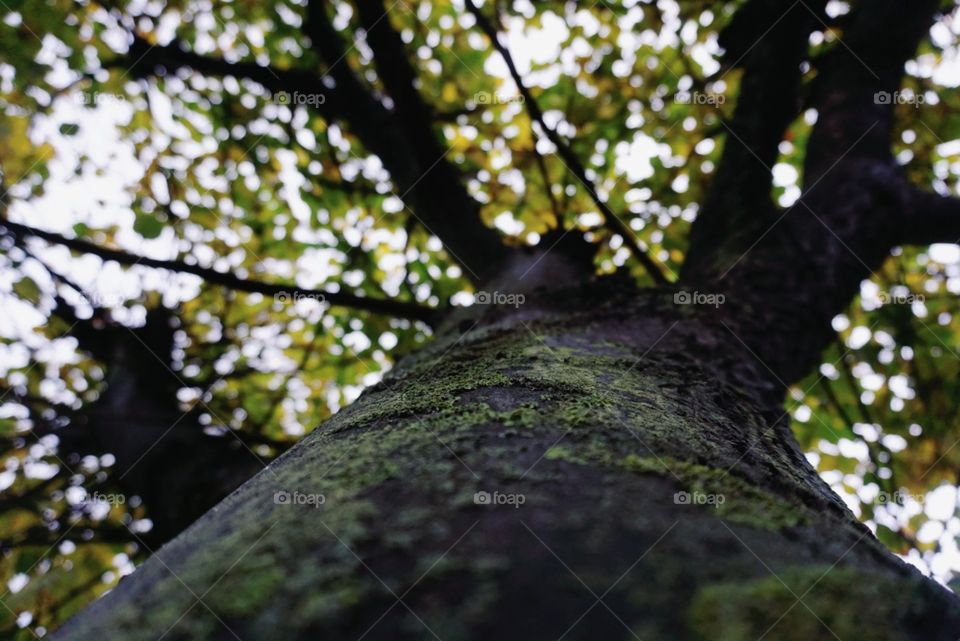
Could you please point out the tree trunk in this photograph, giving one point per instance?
(162, 455)
(640, 481)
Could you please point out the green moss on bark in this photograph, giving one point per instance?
(519, 411)
(799, 604)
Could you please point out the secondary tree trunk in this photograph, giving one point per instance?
(642, 483)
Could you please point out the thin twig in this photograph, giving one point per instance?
(566, 154)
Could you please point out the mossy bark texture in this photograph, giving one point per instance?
(580, 467)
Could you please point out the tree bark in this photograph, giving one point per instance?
(642, 483)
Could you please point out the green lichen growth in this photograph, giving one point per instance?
(561, 453)
(834, 601)
(260, 581)
(742, 502)
(731, 497)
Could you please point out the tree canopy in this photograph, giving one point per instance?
(253, 209)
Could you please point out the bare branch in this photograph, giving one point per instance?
(399, 309)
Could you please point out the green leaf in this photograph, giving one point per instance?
(148, 226)
(27, 289)
(26, 561)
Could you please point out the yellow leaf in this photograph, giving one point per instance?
(449, 93)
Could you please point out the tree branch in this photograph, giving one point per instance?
(400, 309)
(144, 59)
(807, 263)
(613, 222)
(429, 183)
(931, 218)
(769, 44)
(852, 76)
(398, 77)
(409, 146)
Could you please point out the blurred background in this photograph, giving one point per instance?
(133, 398)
